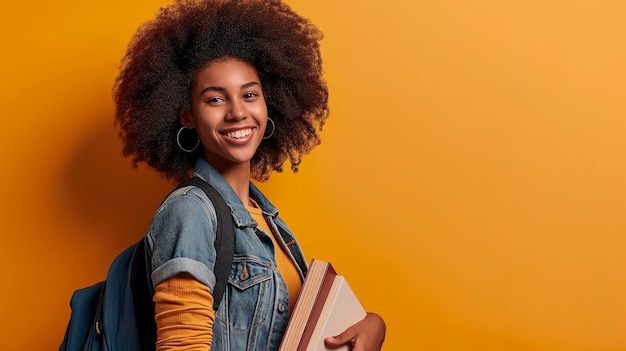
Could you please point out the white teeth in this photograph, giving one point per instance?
(239, 134)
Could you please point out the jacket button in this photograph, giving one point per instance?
(244, 274)
(281, 307)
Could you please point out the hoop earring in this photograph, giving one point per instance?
(181, 146)
(273, 129)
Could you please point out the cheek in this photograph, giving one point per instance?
(207, 118)
(261, 114)
(206, 129)
(264, 110)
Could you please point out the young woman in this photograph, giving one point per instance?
(228, 90)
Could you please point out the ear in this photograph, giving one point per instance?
(186, 118)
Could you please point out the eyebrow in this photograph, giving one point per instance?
(222, 89)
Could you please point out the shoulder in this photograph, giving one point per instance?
(186, 202)
(186, 221)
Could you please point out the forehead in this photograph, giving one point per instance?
(225, 72)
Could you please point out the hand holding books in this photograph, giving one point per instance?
(327, 307)
(367, 334)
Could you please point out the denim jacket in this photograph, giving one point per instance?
(254, 311)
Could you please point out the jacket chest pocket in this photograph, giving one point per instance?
(249, 295)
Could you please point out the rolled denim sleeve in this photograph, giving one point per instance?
(182, 236)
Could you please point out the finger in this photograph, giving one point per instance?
(341, 339)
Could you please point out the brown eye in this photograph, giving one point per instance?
(250, 96)
(214, 100)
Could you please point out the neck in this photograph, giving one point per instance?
(238, 177)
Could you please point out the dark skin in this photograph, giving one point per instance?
(366, 335)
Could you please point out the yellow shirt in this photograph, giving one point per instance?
(285, 266)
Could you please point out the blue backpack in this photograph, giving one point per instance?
(118, 313)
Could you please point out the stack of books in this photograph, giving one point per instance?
(325, 307)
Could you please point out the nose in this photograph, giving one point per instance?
(237, 111)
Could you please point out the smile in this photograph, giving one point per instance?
(239, 133)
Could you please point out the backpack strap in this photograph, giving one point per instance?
(141, 282)
(224, 240)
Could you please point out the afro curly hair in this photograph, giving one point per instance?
(159, 67)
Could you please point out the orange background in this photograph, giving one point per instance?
(470, 183)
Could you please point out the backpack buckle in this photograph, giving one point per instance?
(99, 328)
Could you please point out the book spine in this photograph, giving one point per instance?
(322, 295)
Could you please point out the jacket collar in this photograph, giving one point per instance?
(241, 216)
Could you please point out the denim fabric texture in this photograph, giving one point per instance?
(255, 308)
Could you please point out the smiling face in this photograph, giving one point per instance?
(228, 110)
